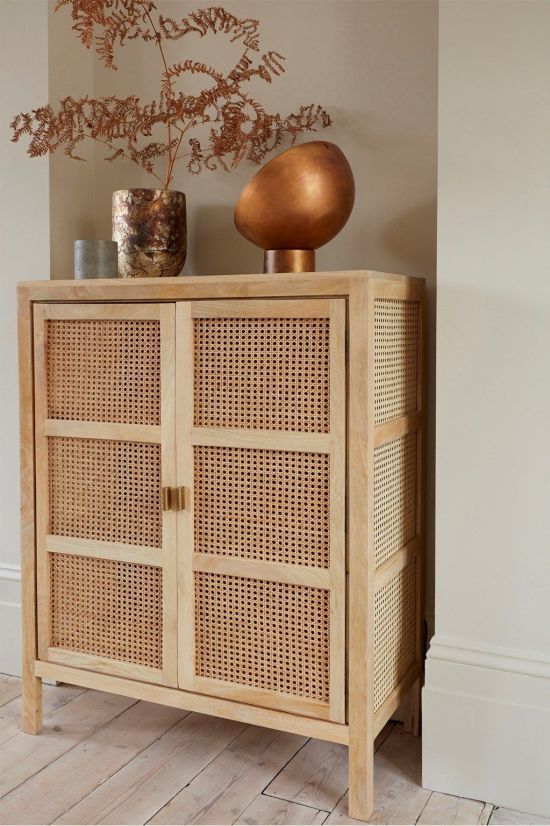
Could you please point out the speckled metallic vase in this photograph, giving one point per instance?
(150, 228)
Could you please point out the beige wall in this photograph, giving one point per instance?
(372, 64)
(488, 672)
(24, 247)
(72, 183)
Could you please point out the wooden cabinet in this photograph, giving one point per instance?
(222, 504)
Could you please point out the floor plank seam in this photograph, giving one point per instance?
(167, 802)
(284, 767)
(10, 699)
(490, 813)
(262, 792)
(46, 716)
(339, 801)
(298, 803)
(424, 807)
(134, 757)
(74, 746)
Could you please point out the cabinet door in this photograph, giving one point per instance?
(106, 551)
(260, 435)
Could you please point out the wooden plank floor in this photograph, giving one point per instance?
(107, 759)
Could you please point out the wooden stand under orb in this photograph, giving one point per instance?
(222, 498)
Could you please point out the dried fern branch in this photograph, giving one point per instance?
(236, 124)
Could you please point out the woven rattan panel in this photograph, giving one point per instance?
(268, 635)
(396, 339)
(105, 490)
(103, 370)
(269, 505)
(394, 632)
(262, 373)
(394, 496)
(107, 608)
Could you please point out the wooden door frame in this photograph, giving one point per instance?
(164, 435)
(332, 443)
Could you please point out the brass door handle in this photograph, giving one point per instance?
(178, 498)
(173, 499)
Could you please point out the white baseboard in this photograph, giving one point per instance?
(486, 724)
(10, 620)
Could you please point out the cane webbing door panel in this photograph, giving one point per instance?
(105, 447)
(260, 435)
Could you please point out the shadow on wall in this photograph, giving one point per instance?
(215, 246)
(411, 238)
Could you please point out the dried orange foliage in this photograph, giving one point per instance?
(237, 126)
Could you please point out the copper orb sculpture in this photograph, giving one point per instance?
(296, 203)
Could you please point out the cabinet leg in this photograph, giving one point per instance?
(361, 779)
(413, 709)
(32, 704)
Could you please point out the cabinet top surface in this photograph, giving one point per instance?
(214, 286)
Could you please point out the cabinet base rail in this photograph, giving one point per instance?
(177, 698)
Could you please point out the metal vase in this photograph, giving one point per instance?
(95, 259)
(150, 228)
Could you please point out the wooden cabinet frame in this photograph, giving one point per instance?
(358, 291)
